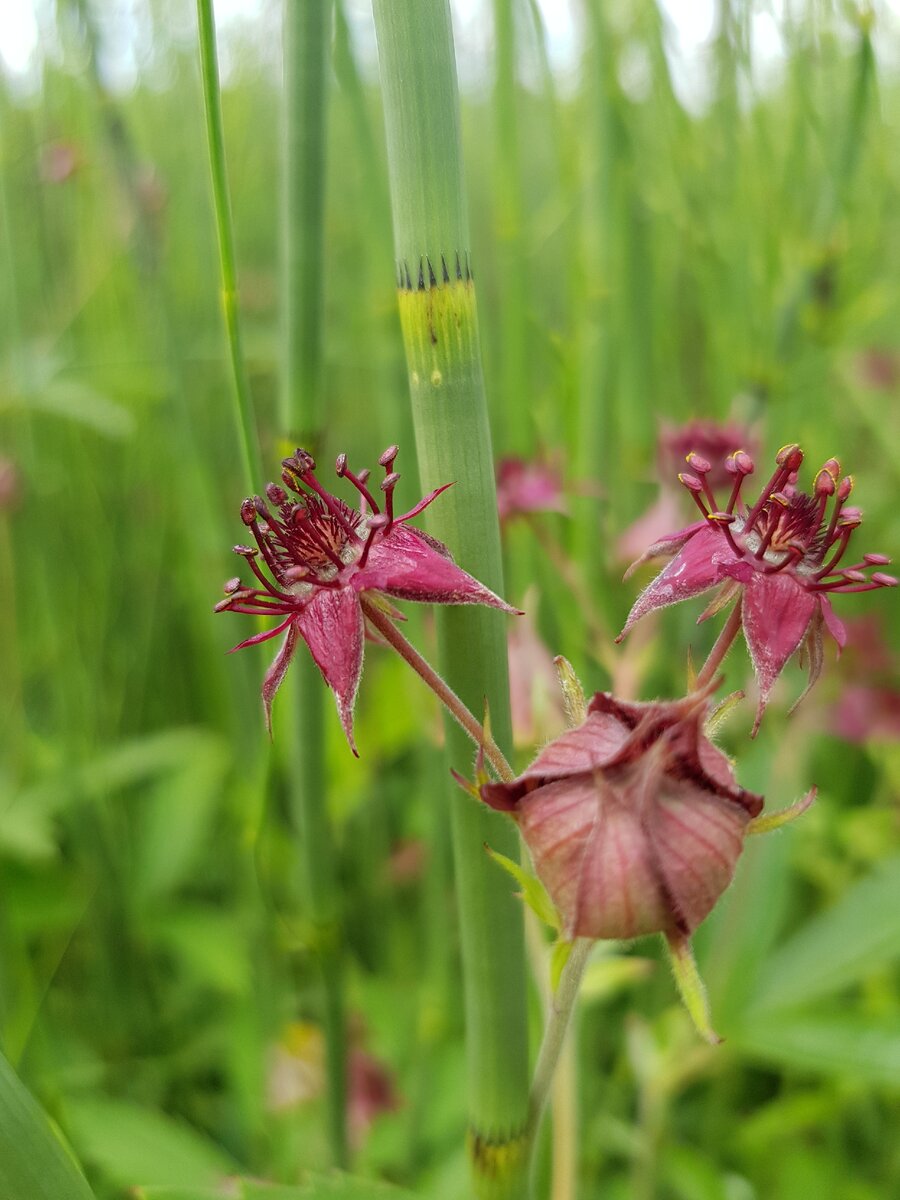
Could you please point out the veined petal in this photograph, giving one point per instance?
(406, 564)
(697, 567)
(697, 838)
(332, 626)
(277, 672)
(579, 751)
(666, 546)
(776, 615)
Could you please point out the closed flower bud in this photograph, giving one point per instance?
(634, 819)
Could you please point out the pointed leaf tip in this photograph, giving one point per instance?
(769, 821)
(690, 986)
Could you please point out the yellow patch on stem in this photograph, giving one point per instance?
(440, 330)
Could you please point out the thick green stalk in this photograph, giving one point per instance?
(306, 44)
(440, 331)
(509, 228)
(209, 69)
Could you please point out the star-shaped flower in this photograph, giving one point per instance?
(314, 559)
(778, 558)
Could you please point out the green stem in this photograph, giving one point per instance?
(209, 69)
(306, 43)
(304, 125)
(555, 1033)
(722, 645)
(440, 331)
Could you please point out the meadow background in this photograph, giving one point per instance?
(721, 241)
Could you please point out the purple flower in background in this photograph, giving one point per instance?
(315, 556)
(528, 487)
(780, 558)
(713, 441)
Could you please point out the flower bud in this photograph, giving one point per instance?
(634, 819)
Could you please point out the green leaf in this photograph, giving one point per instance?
(847, 1046)
(533, 891)
(179, 1193)
(136, 1145)
(34, 1163)
(860, 934)
(325, 1187)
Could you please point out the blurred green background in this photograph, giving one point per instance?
(677, 213)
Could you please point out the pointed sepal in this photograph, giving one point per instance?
(766, 822)
(573, 693)
(533, 891)
(690, 986)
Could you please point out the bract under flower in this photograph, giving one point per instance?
(313, 559)
(779, 558)
(634, 819)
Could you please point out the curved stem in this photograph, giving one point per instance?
(555, 1033)
(721, 647)
(444, 693)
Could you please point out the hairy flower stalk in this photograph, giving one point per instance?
(440, 332)
(781, 557)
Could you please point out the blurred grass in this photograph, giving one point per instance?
(672, 262)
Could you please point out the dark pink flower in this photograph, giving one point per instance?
(315, 556)
(712, 440)
(634, 819)
(867, 714)
(780, 558)
(528, 487)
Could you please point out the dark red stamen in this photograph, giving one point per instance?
(332, 504)
(387, 486)
(788, 459)
(358, 481)
(695, 487)
(376, 524)
(724, 521)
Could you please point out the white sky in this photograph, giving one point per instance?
(690, 26)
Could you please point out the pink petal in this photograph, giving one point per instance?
(578, 751)
(776, 615)
(593, 857)
(833, 624)
(406, 564)
(277, 672)
(697, 839)
(263, 637)
(423, 503)
(332, 626)
(620, 891)
(667, 545)
(698, 567)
